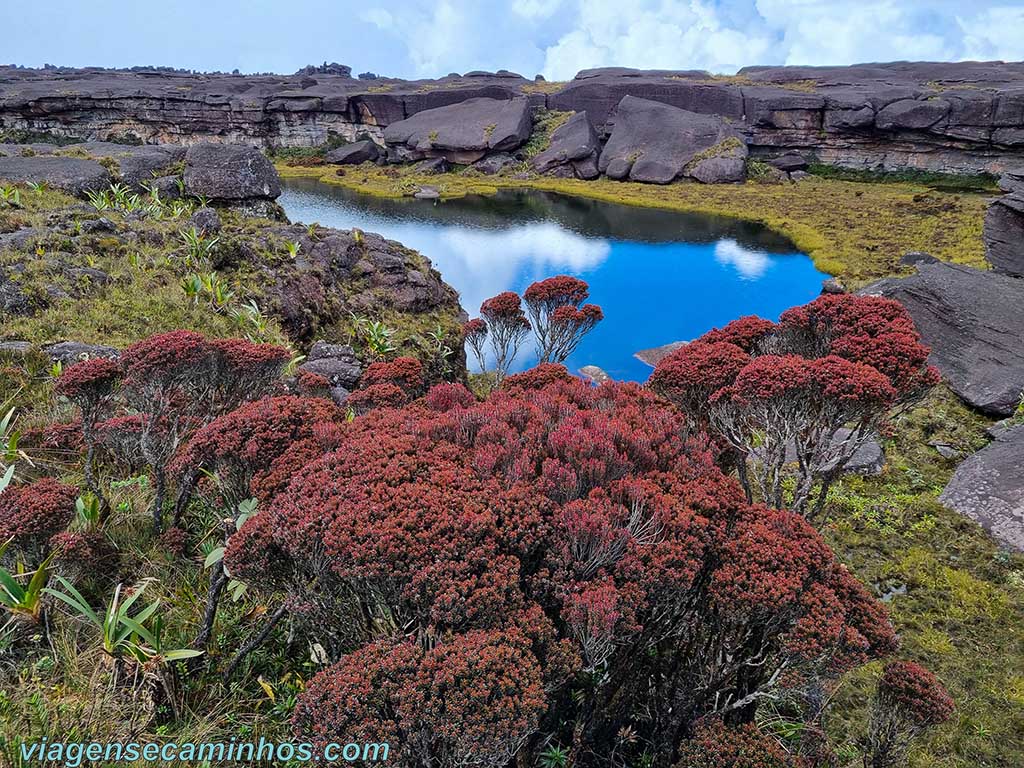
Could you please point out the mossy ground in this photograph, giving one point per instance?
(856, 230)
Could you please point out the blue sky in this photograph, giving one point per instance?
(427, 38)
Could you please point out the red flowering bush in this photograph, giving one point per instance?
(559, 321)
(384, 395)
(716, 745)
(809, 391)
(87, 554)
(403, 372)
(506, 327)
(178, 381)
(473, 699)
(446, 396)
(474, 333)
(557, 554)
(909, 699)
(31, 514)
(537, 377)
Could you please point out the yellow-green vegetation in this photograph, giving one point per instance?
(855, 230)
(956, 599)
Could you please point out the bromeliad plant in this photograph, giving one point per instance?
(23, 601)
(138, 636)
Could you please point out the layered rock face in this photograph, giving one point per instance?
(973, 322)
(951, 117)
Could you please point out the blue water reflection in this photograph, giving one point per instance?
(660, 276)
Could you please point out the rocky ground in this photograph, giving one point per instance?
(961, 117)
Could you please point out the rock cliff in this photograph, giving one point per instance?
(950, 117)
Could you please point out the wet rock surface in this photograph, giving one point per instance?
(973, 322)
(988, 487)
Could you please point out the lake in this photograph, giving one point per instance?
(659, 276)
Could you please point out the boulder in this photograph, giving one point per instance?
(595, 374)
(494, 164)
(335, 362)
(136, 165)
(357, 152)
(727, 167)
(433, 165)
(205, 221)
(464, 132)
(655, 143)
(789, 162)
(989, 487)
(73, 175)
(1004, 234)
(973, 322)
(1012, 180)
(573, 143)
(13, 300)
(70, 352)
(655, 355)
(230, 172)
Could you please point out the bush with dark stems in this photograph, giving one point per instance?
(507, 329)
(909, 700)
(558, 564)
(474, 332)
(809, 391)
(559, 318)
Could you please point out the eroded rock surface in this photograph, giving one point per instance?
(230, 172)
(952, 117)
(654, 142)
(1004, 234)
(73, 175)
(988, 487)
(973, 322)
(575, 145)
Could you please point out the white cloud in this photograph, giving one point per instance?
(378, 17)
(535, 9)
(750, 264)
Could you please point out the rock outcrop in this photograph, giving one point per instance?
(658, 143)
(364, 151)
(1004, 234)
(463, 132)
(230, 173)
(951, 117)
(73, 175)
(973, 322)
(988, 487)
(572, 151)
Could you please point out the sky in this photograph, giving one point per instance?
(555, 38)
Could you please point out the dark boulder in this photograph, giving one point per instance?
(655, 143)
(1012, 180)
(973, 322)
(73, 175)
(13, 300)
(988, 487)
(433, 165)
(494, 164)
(137, 165)
(789, 162)
(230, 172)
(335, 362)
(574, 143)
(1004, 234)
(728, 166)
(464, 132)
(365, 151)
(69, 352)
(205, 221)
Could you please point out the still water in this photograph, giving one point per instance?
(659, 276)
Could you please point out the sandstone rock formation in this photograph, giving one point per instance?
(230, 173)
(463, 132)
(973, 322)
(954, 117)
(73, 175)
(989, 487)
(654, 142)
(363, 151)
(1004, 234)
(574, 147)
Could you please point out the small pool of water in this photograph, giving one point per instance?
(659, 276)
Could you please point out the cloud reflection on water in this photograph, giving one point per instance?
(751, 265)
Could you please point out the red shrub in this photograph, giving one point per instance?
(445, 397)
(820, 384)
(474, 332)
(385, 395)
(31, 514)
(559, 322)
(312, 384)
(87, 554)
(914, 691)
(89, 381)
(507, 328)
(715, 745)
(745, 332)
(537, 377)
(404, 372)
(908, 701)
(580, 517)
